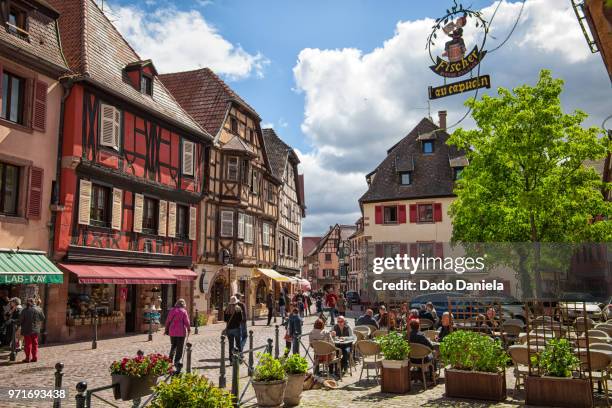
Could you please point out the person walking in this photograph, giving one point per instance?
(299, 301)
(294, 330)
(282, 301)
(331, 299)
(233, 318)
(31, 320)
(12, 322)
(342, 305)
(270, 306)
(244, 335)
(177, 327)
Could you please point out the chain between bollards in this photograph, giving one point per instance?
(80, 396)
(222, 381)
(235, 377)
(59, 367)
(276, 345)
(188, 357)
(251, 360)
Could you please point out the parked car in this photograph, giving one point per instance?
(353, 298)
(607, 310)
(573, 301)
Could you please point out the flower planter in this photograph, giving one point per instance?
(395, 376)
(558, 392)
(269, 393)
(131, 387)
(293, 392)
(475, 385)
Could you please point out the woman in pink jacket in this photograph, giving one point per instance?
(177, 327)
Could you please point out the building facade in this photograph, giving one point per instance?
(357, 259)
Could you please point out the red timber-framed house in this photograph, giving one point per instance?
(132, 177)
(238, 251)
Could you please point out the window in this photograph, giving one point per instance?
(232, 168)
(255, 182)
(328, 258)
(251, 136)
(110, 126)
(9, 186)
(100, 206)
(328, 273)
(390, 215)
(146, 85)
(241, 225)
(13, 100)
(425, 213)
(245, 169)
(234, 125)
(227, 223)
(426, 249)
(149, 215)
(457, 172)
(248, 229)
(405, 178)
(266, 234)
(182, 221)
(17, 22)
(188, 156)
(428, 146)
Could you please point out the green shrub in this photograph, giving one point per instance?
(268, 369)
(466, 350)
(557, 359)
(190, 391)
(295, 364)
(200, 320)
(394, 346)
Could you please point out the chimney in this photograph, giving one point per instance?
(442, 119)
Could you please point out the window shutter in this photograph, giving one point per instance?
(117, 209)
(163, 218)
(240, 225)
(116, 128)
(439, 250)
(138, 209)
(84, 202)
(379, 250)
(378, 214)
(437, 212)
(193, 213)
(401, 214)
(109, 131)
(39, 113)
(35, 193)
(414, 250)
(413, 213)
(188, 148)
(171, 219)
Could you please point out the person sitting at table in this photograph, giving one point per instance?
(367, 319)
(413, 315)
(432, 310)
(417, 336)
(342, 329)
(319, 333)
(382, 310)
(489, 322)
(445, 326)
(426, 314)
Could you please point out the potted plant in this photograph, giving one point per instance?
(395, 365)
(136, 376)
(295, 367)
(269, 381)
(558, 386)
(191, 390)
(477, 366)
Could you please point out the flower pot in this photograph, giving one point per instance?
(395, 376)
(131, 387)
(558, 392)
(269, 393)
(293, 391)
(475, 385)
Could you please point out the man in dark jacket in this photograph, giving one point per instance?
(367, 319)
(31, 319)
(244, 335)
(270, 306)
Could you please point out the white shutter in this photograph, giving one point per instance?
(138, 209)
(248, 233)
(117, 208)
(172, 219)
(84, 202)
(266, 234)
(163, 210)
(116, 128)
(227, 223)
(240, 225)
(109, 126)
(193, 213)
(188, 154)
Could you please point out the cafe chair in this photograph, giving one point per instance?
(379, 333)
(601, 346)
(421, 353)
(520, 360)
(605, 327)
(600, 368)
(363, 329)
(510, 333)
(324, 349)
(370, 352)
(598, 333)
(372, 328)
(516, 322)
(581, 324)
(426, 324)
(431, 334)
(360, 335)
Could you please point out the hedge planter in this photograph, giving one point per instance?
(395, 376)
(293, 392)
(270, 393)
(131, 387)
(558, 392)
(475, 385)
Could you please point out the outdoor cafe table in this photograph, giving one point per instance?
(343, 342)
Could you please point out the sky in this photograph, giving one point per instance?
(342, 81)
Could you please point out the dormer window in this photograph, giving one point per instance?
(17, 22)
(140, 75)
(428, 146)
(146, 85)
(405, 178)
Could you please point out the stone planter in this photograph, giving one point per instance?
(293, 392)
(269, 393)
(395, 376)
(475, 385)
(558, 392)
(131, 387)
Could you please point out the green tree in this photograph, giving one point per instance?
(526, 181)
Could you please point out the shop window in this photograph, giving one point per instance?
(232, 168)
(99, 214)
(149, 215)
(9, 189)
(84, 300)
(261, 292)
(182, 221)
(13, 98)
(390, 215)
(425, 213)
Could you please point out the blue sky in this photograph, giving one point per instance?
(342, 80)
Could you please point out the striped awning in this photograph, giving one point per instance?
(272, 274)
(27, 267)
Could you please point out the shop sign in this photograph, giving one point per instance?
(23, 279)
(471, 84)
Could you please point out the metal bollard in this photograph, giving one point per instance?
(269, 348)
(274, 311)
(235, 377)
(94, 343)
(222, 381)
(59, 367)
(251, 360)
(80, 396)
(150, 329)
(196, 322)
(252, 315)
(276, 345)
(13, 355)
(188, 352)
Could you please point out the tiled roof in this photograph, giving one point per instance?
(204, 95)
(237, 144)
(277, 151)
(432, 175)
(43, 39)
(309, 243)
(97, 52)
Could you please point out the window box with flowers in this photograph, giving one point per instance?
(135, 377)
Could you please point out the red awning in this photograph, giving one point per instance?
(123, 275)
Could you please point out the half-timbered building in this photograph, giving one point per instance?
(132, 176)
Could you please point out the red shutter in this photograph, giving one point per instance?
(378, 211)
(437, 212)
(35, 193)
(403, 249)
(414, 250)
(401, 211)
(380, 251)
(439, 250)
(39, 112)
(413, 213)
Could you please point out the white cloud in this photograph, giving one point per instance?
(181, 40)
(358, 104)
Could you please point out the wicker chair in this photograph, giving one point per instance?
(426, 324)
(601, 346)
(372, 328)
(581, 325)
(520, 360)
(600, 368)
(363, 329)
(421, 352)
(598, 333)
(605, 327)
(510, 333)
(379, 333)
(369, 351)
(323, 348)
(360, 335)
